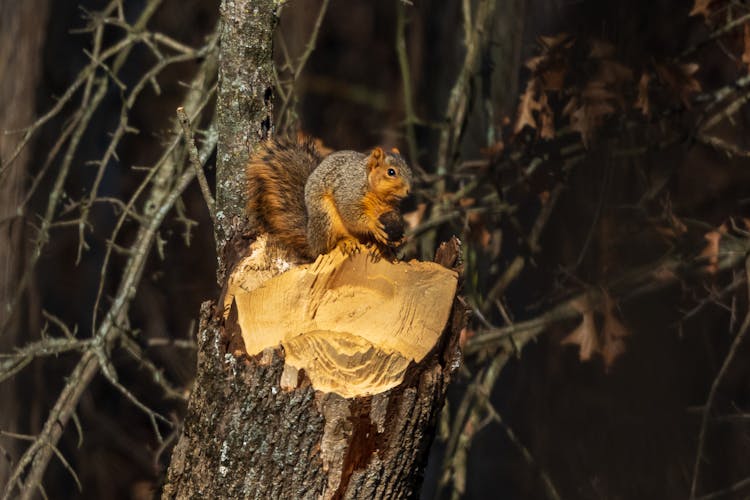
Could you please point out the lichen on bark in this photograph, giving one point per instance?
(244, 106)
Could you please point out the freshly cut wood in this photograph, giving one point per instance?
(353, 322)
(304, 412)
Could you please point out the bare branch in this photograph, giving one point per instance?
(738, 339)
(195, 162)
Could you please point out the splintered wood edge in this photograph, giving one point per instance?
(353, 323)
(262, 262)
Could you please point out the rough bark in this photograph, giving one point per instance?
(22, 27)
(253, 430)
(244, 106)
(248, 436)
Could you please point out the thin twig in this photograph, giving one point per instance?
(736, 23)
(187, 130)
(739, 485)
(289, 102)
(738, 339)
(162, 198)
(410, 117)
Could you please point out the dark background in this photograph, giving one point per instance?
(623, 431)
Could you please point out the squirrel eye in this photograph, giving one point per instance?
(391, 172)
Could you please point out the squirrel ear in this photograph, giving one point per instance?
(395, 150)
(376, 159)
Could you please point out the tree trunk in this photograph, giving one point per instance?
(254, 430)
(323, 381)
(244, 109)
(22, 26)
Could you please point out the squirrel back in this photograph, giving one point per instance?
(276, 178)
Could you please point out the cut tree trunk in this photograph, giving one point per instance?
(322, 382)
(315, 381)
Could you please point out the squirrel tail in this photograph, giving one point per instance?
(276, 178)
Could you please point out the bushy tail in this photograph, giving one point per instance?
(276, 177)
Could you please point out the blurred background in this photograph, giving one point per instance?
(594, 158)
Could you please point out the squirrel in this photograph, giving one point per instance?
(312, 203)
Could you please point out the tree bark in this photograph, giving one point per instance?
(244, 108)
(257, 427)
(249, 435)
(22, 26)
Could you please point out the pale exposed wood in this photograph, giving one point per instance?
(352, 322)
(257, 428)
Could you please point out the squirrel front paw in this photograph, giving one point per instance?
(392, 225)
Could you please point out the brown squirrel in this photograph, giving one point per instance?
(312, 204)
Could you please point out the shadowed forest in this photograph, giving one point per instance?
(593, 158)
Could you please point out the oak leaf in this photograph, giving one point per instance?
(530, 105)
(642, 101)
(584, 335)
(550, 66)
(681, 79)
(609, 342)
(711, 251)
(526, 107)
(700, 7)
(564, 40)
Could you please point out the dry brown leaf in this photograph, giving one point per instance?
(551, 42)
(533, 63)
(526, 107)
(553, 79)
(596, 90)
(413, 219)
(586, 118)
(547, 130)
(465, 335)
(669, 225)
(664, 274)
(498, 147)
(610, 342)
(613, 72)
(612, 350)
(550, 67)
(481, 235)
(700, 7)
(584, 335)
(642, 102)
(711, 251)
(681, 79)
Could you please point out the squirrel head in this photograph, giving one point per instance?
(388, 174)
